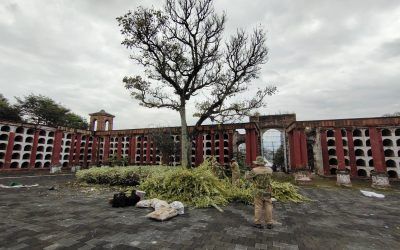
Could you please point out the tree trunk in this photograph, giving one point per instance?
(186, 146)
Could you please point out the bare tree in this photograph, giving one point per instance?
(182, 51)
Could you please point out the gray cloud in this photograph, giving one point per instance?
(329, 59)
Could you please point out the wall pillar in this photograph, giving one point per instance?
(148, 151)
(221, 148)
(71, 150)
(230, 144)
(339, 149)
(106, 154)
(141, 149)
(342, 175)
(212, 142)
(248, 148)
(325, 155)
(9, 150)
(297, 154)
(303, 147)
(34, 149)
(85, 152)
(300, 158)
(55, 157)
(94, 151)
(154, 152)
(119, 147)
(291, 150)
(78, 149)
(352, 155)
(284, 144)
(132, 150)
(199, 150)
(380, 178)
(251, 146)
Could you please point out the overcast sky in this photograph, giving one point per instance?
(329, 59)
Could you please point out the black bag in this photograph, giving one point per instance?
(121, 200)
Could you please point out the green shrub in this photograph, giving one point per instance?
(125, 176)
(198, 187)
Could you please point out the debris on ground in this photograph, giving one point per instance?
(162, 210)
(17, 185)
(162, 214)
(372, 194)
(121, 200)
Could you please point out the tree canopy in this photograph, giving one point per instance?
(43, 110)
(8, 112)
(184, 56)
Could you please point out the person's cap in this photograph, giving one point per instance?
(260, 161)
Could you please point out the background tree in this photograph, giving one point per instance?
(279, 157)
(183, 53)
(165, 143)
(43, 110)
(8, 112)
(72, 120)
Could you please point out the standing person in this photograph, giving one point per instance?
(235, 172)
(261, 177)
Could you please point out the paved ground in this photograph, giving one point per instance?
(37, 218)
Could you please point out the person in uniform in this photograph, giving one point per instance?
(260, 175)
(235, 172)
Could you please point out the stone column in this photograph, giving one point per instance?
(94, 151)
(141, 149)
(85, 161)
(342, 175)
(9, 150)
(55, 157)
(199, 150)
(221, 148)
(119, 147)
(132, 150)
(106, 154)
(284, 144)
(352, 155)
(153, 144)
(230, 144)
(291, 150)
(34, 149)
(301, 172)
(324, 149)
(71, 151)
(380, 178)
(248, 148)
(318, 154)
(77, 149)
(212, 142)
(148, 151)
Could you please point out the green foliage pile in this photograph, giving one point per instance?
(124, 176)
(199, 187)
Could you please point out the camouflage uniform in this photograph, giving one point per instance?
(261, 177)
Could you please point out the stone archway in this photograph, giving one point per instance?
(273, 147)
